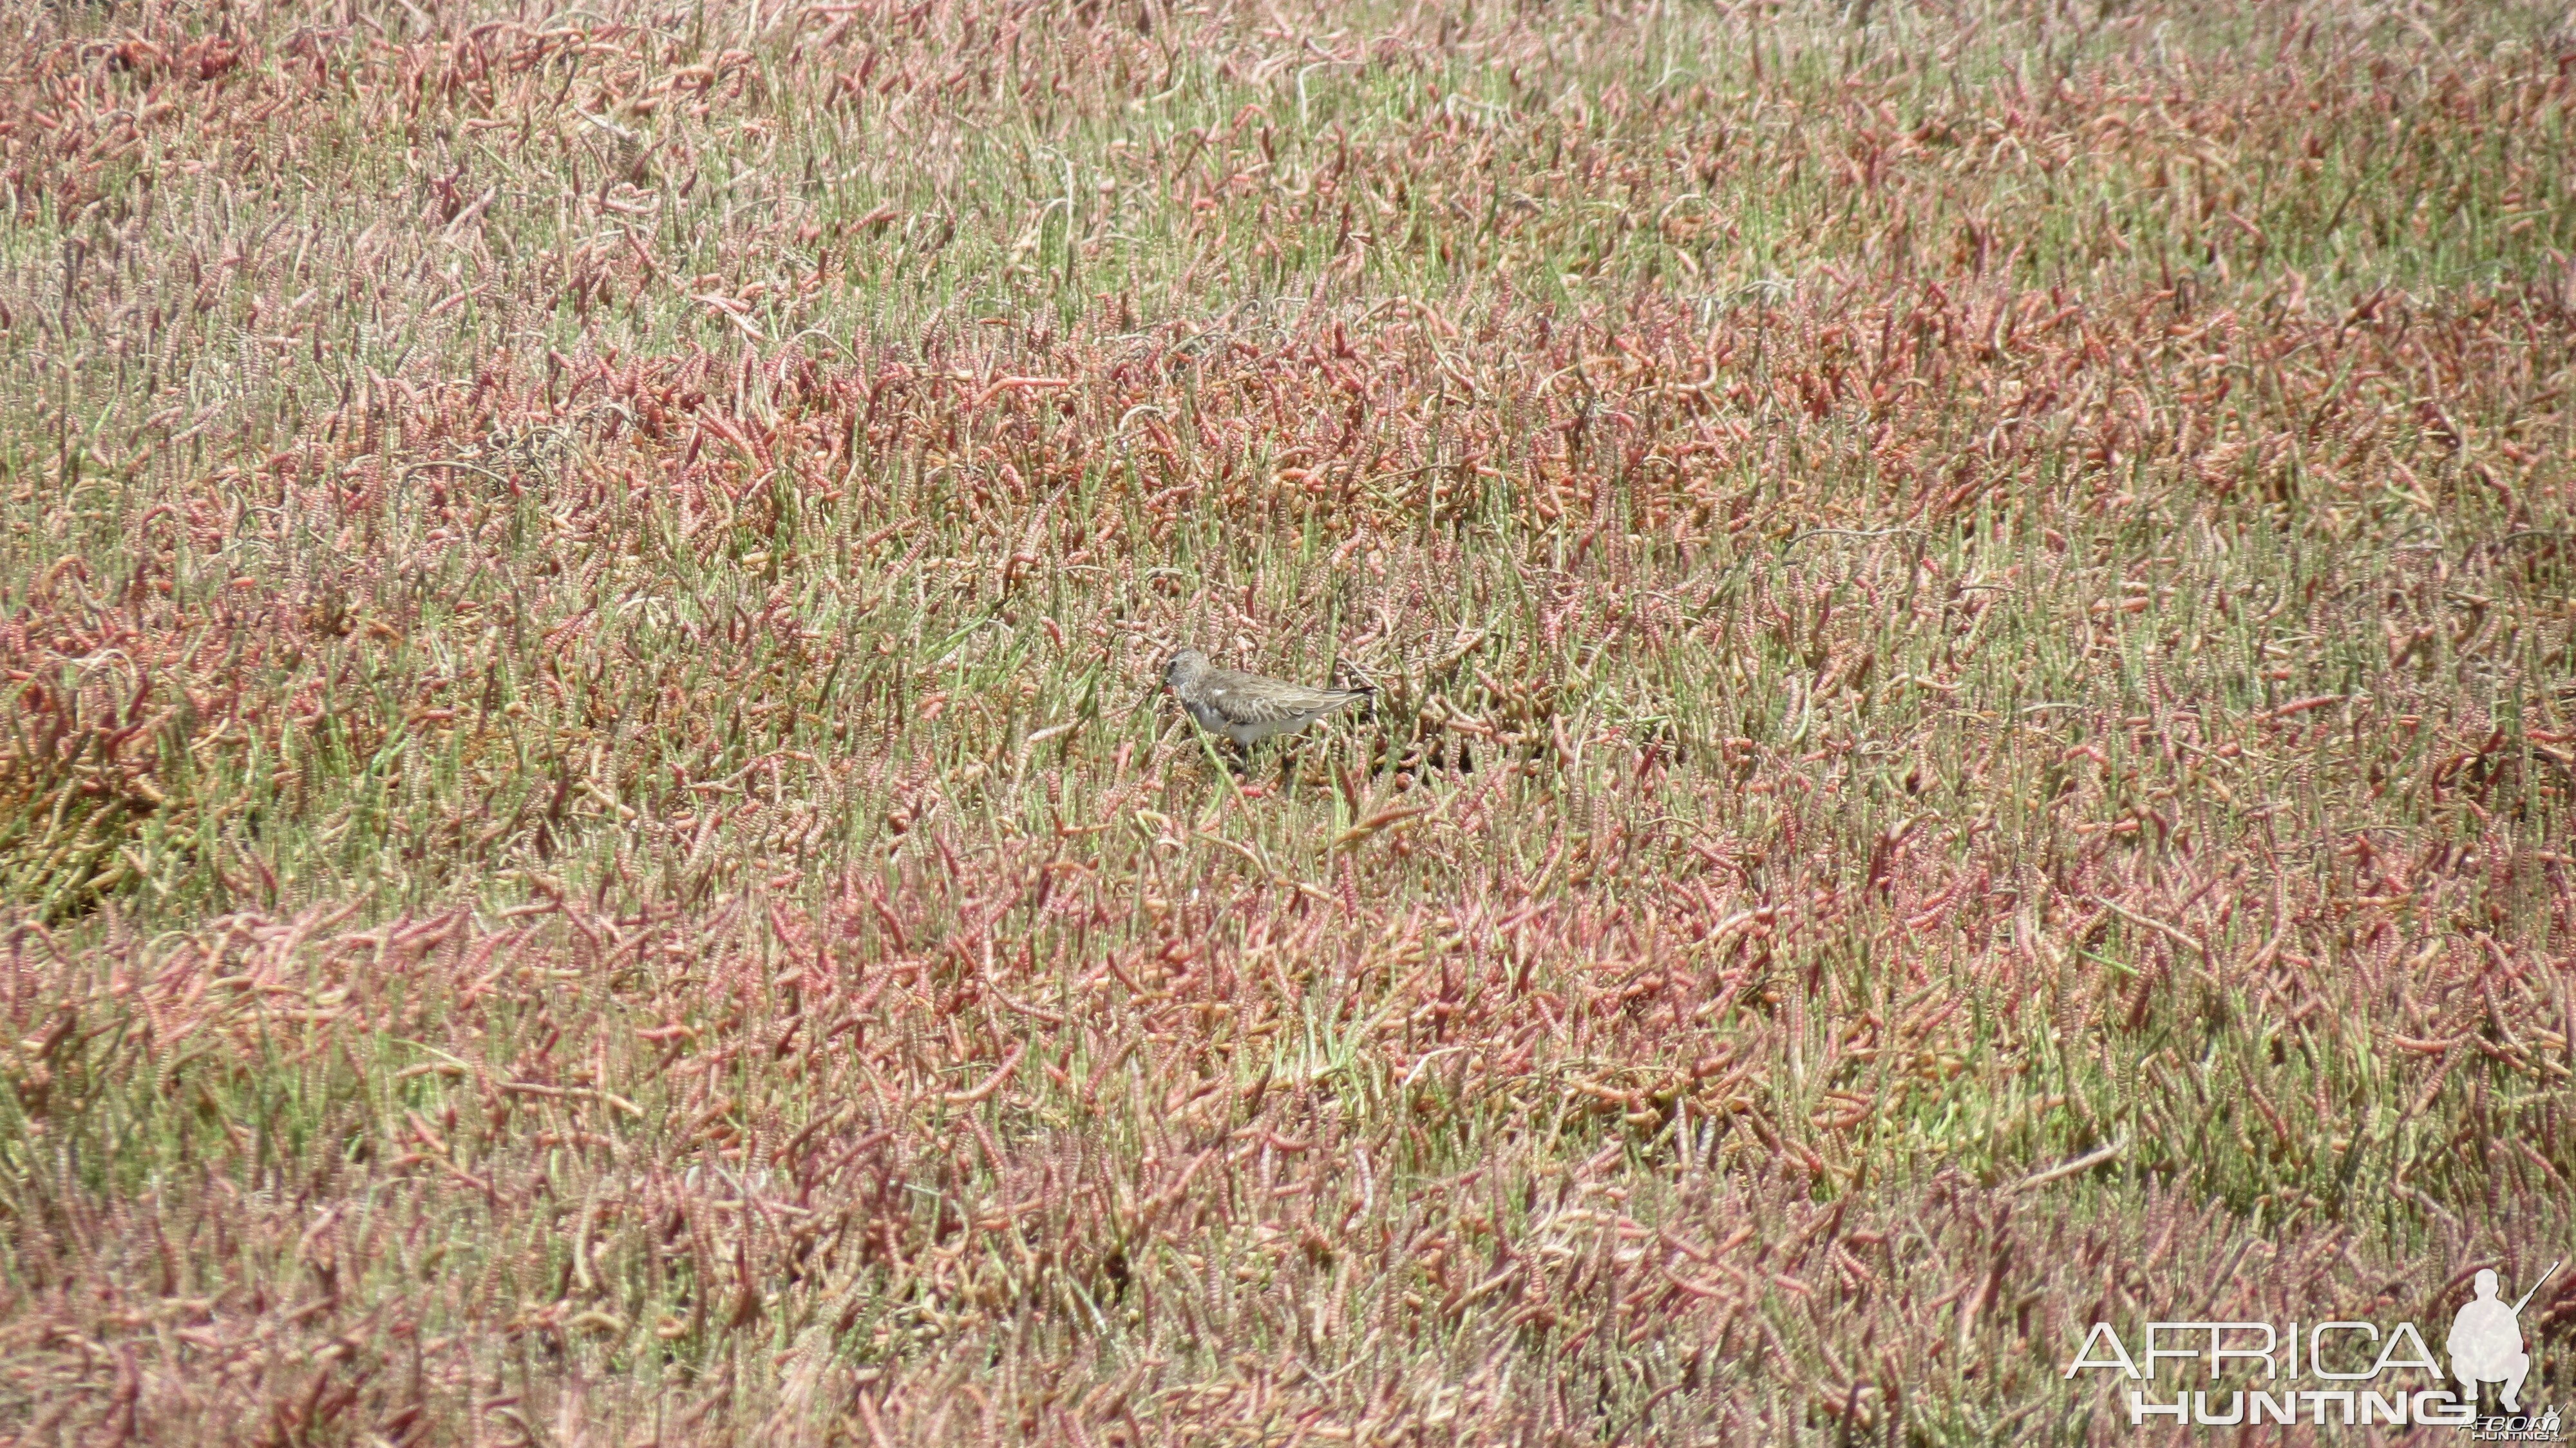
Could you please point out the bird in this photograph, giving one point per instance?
(1248, 708)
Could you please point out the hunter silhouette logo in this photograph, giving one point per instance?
(2486, 1341)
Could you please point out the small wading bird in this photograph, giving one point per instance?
(1248, 708)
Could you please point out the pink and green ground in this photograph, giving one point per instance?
(1976, 618)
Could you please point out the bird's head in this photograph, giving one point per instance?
(1184, 667)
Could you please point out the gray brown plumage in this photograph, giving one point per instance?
(1248, 708)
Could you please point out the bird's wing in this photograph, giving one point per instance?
(1302, 703)
(1251, 699)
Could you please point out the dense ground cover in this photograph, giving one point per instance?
(1975, 610)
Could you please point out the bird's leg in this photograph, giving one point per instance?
(1221, 750)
